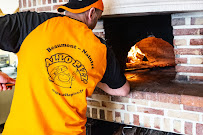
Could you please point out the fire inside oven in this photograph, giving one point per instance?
(150, 52)
(141, 42)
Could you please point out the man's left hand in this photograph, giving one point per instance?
(4, 78)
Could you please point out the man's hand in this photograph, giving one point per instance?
(4, 78)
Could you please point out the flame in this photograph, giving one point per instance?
(135, 54)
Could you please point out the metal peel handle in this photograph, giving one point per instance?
(10, 84)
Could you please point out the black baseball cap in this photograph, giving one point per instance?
(80, 6)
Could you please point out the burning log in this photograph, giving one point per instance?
(135, 55)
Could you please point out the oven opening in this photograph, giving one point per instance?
(150, 52)
(141, 42)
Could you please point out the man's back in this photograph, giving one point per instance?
(60, 63)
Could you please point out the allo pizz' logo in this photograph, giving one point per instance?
(63, 70)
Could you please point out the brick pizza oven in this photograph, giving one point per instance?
(167, 99)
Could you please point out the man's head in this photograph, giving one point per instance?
(87, 11)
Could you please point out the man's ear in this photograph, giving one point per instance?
(91, 13)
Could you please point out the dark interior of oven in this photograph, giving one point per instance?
(121, 33)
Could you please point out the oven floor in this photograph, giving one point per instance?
(161, 80)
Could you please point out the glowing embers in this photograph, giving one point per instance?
(150, 52)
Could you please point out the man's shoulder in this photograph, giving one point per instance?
(34, 14)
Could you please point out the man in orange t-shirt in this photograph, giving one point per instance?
(60, 62)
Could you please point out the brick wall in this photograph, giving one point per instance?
(166, 112)
(40, 5)
(51, 6)
(188, 42)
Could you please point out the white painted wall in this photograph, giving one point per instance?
(9, 6)
(142, 7)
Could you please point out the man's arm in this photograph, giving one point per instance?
(4, 78)
(122, 91)
(16, 27)
(113, 82)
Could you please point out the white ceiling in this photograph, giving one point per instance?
(9, 6)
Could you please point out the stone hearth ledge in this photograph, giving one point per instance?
(156, 101)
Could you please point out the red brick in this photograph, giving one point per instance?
(94, 113)
(193, 108)
(93, 103)
(102, 114)
(48, 8)
(109, 116)
(199, 129)
(113, 105)
(157, 123)
(30, 9)
(34, 3)
(60, 0)
(166, 98)
(150, 111)
(192, 101)
(188, 51)
(196, 42)
(178, 32)
(145, 95)
(178, 21)
(151, 96)
(188, 128)
(197, 21)
(179, 42)
(200, 101)
(120, 99)
(102, 97)
(196, 78)
(24, 3)
(181, 60)
(56, 6)
(49, 1)
(138, 95)
(20, 4)
(118, 116)
(43, 2)
(88, 112)
(29, 3)
(189, 69)
(169, 98)
(136, 120)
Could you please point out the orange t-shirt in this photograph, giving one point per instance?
(60, 63)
